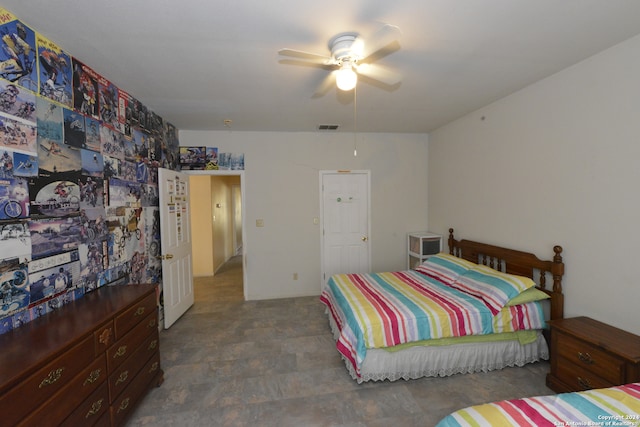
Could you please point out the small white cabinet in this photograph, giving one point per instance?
(421, 245)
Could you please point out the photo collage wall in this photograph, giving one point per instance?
(78, 178)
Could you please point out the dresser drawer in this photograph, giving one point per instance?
(93, 411)
(54, 370)
(104, 421)
(57, 409)
(579, 378)
(123, 348)
(130, 318)
(104, 337)
(29, 394)
(120, 378)
(591, 358)
(149, 347)
(123, 405)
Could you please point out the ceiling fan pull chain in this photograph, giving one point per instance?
(355, 121)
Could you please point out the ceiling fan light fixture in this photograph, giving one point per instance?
(350, 56)
(346, 78)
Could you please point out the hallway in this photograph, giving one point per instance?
(225, 286)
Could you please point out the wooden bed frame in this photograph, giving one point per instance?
(512, 261)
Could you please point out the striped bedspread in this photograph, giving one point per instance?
(615, 406)
(380, 310)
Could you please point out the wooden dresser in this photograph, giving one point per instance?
(86, 364)
(586, 353)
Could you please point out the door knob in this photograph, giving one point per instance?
(364, 238)
(167, 256)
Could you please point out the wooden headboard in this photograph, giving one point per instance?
(516, 262)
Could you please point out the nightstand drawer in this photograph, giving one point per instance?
(591, 359)
(586, 353)
(579, 378)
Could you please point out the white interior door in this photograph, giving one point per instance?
(345, 222)
(175, 240)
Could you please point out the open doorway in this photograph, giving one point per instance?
(218, 226)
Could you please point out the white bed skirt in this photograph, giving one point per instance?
(442, 361)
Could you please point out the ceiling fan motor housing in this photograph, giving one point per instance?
(341, 48)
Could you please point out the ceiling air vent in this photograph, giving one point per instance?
(328, 127)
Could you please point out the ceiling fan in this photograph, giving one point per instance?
(351, 55)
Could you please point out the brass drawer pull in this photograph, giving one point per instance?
(93, 377)
(152, 323)
(153, 344)
(139, 311)
(154, 367)
(105, 336)
(586, 358)
(123, 377)
(584, 382)
(52, 377)
(123, 405)
(95, 408)
(122, 350)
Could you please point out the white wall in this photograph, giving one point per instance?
(282, 188)
(555, 163)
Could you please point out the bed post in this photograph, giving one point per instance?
(557, 270)
(451, 242)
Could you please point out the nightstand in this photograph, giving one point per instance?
(586, 354)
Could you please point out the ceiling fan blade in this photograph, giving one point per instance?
(303, 63)
(309, 57)
(380, 39)
(379, 73)
(327, 84)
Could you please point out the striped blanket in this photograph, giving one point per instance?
(380, 310)
(614, 406)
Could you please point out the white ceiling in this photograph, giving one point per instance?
(199, 62)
